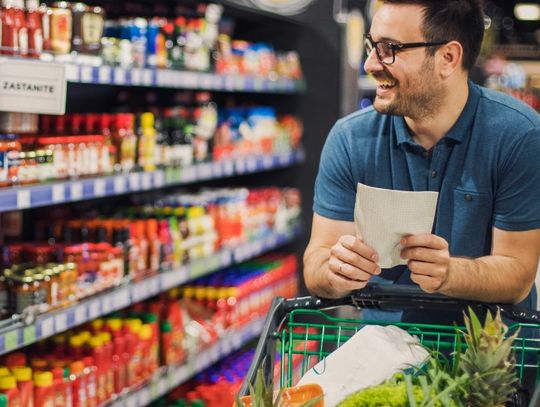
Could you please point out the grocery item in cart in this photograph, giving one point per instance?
(371, 356)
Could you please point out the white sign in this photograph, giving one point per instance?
(32, 87)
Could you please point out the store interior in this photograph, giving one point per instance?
(158, 160)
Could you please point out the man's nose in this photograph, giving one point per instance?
(372, 63)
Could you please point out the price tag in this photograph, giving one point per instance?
(228, 167)
(239, 83)
(217, 170)
(104, 74)
(47, 327)
(134, 181)
(80, 314)
(225, 258)
(106, 304)
(162, 386)
(136, 76)
(29, 334)
(198, 268)
(268, 161)
(205, 171)
(119, 185)
(131, 401)
(257, 84)
(159, 179)
(10, 340)
(72, 73)
(121, 298)
(60, 322)
(146, 181)
(283, 159)
(144, 396)
(229, 82)
(99, 187)
(58, 193)
(188, 174)
(86, 74)
(170, 279)
(119, 76)
(139, 292)
(23, 199)
(153, 286)
(76, 191)
(214, 353)
(147, 77)
(240, 166)
(251, 164)
(257, 247)
(94, 309)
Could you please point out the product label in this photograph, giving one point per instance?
(23, 41)
(92, 28)
(37, 41)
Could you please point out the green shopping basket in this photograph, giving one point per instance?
(302, 334)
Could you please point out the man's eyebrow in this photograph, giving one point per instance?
(386, 39)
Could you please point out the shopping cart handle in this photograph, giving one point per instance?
(406, 297)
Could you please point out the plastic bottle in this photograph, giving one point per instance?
(20, 27)
(98, 354)
(43, 389)
(132, 329)
(108, 348)
(23, 375)
(3, 400)
(60, 390)
(119, 363)
(76, 347)
(145, 335)
(8, 387)
(147, 142)
(90, 373)
(35, 30)
(78, 383)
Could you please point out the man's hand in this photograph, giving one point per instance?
(351, 264)
(428, 260)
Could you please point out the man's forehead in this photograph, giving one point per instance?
(397, 22)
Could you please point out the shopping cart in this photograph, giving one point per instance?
(299, 329)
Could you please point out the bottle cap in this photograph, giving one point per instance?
(43, 379)
(4, 371)
(7, 382)
(22, 374)
(16, 359)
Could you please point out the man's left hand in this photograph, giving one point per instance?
(428, 260)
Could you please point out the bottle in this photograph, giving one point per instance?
(147, 142)
(43, 389)
(90, 373)
(23, 375)
(8, 387)
(98, 355)
(21, 29)
(61, 20)
(34, 22)
(60, 390)
(9, 34)
(78, 383)
(16, 359)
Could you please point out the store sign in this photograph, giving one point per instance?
(32, 87)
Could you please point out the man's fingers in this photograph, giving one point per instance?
(425, 254)
(355, 260)
(358, 246)
(342, 283)
(425, 240)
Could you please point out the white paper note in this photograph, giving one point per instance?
(383, 216)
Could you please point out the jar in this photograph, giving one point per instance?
(52, 278)
(27, 291)
(71, 273)
(39, 254)
(12, 254)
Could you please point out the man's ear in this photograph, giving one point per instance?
(451, 57)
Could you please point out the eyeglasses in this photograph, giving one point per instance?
(386, 51)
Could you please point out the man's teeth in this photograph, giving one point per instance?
(386, 84)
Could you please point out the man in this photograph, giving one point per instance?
(431, 129)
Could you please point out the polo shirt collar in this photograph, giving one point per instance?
(459, 132)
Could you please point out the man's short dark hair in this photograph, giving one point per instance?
(448, 20)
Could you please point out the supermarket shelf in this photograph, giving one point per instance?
(16, 335)
(33, 196)
(165, 78)
(168, 378)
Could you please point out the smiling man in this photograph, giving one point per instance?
(431, 129)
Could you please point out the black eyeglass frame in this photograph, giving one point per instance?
(397, 46)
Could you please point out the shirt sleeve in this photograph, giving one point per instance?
(335, 189)
(517, 202)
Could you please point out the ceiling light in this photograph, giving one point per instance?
(527, 11)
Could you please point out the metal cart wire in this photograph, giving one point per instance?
(299, 329)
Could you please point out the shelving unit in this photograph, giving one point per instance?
(18, 334)
(167, 378)
(34, 196)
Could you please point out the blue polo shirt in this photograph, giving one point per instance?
(486, 170)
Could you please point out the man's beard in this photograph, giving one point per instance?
(422, 99)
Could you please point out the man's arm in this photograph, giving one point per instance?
(335, 261)
(506, 275)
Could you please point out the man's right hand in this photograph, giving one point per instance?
(352, 263)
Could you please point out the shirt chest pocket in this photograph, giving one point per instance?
(472, 222)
